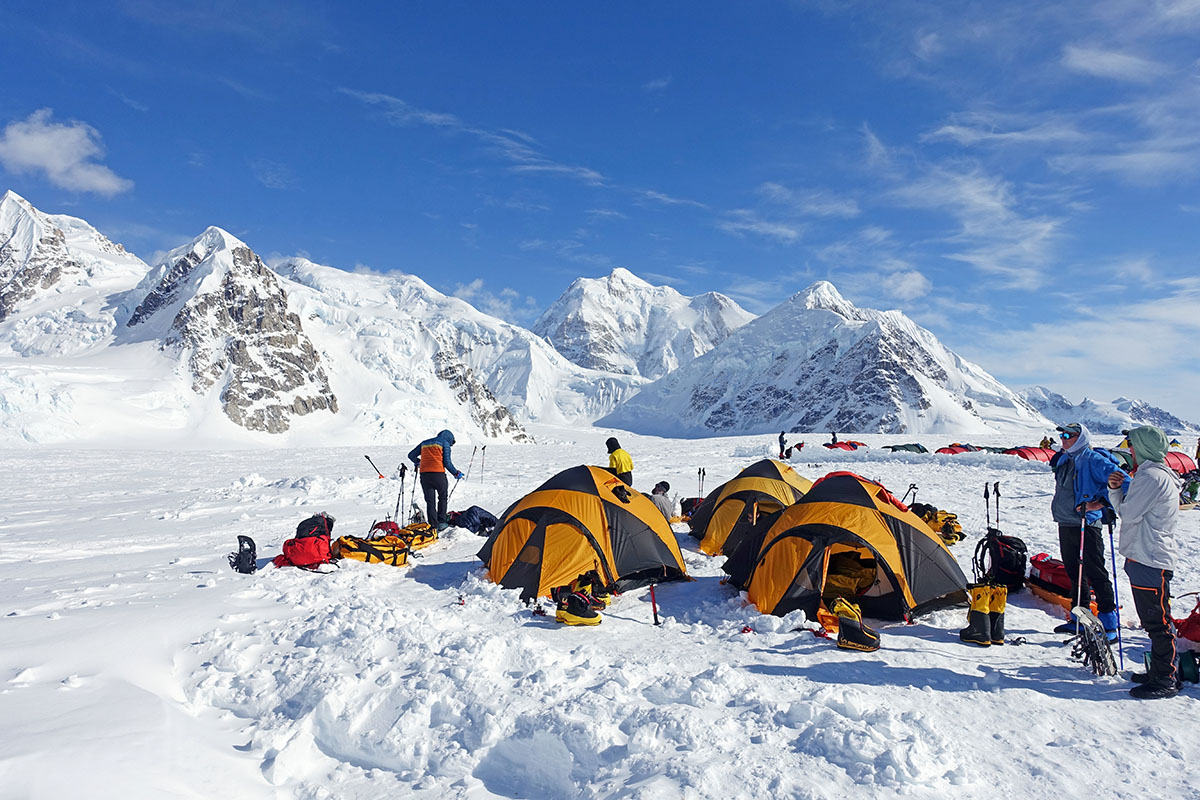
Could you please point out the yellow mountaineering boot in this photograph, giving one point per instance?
(996, 605)
(852, 633)
(575, 609)
(979, 624)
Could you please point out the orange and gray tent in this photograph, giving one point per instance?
(784, 563)
(582, 519)
(736, 505)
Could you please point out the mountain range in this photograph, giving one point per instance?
(212, 345)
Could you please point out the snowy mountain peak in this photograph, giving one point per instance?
(817, 363)
(823, 295)
(622, 324)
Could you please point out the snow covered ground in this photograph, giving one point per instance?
(135, 663)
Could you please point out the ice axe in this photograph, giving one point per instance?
(372, 463)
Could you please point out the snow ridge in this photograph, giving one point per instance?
(622, 324)
(1105, 418)
(818, 363)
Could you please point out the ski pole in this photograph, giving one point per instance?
(482, 458)
(400, 497)
(1079, 578)
(996, 491)
(654, 605)
(1116, 595)
(987, 506)
(372, 463)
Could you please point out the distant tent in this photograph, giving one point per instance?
(912, 447)
(732, 508)
(846, 525)
(1176, 443)
(842, 445)
(1032, 453)
(955, 449)
(1180, 462)
(583, 518)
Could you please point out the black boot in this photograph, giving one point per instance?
(852, 633)
(979, 624)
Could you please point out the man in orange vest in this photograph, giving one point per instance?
(432, 459)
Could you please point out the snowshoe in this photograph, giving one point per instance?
(245, 559)
(1090, 646)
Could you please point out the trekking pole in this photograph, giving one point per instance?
(699, 483)
(703, 475)
(413, 501)
(1116, 595)
(372, 463)
(912, 487)
(996, 492)
(987, 506)
(400, 497)
(654, 605)
(1079, 576)
(482, 458)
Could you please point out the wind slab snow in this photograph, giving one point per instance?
(136, 664)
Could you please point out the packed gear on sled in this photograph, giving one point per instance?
(783, 563)
(944, 523)
(735, 506)
(912, 447)
(474, 519)
(582, 519)
(387, 549)
(310, 547)
(1050, 580)
(1043, 454)
(245, 558)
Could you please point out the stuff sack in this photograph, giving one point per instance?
(418, 534)
(474, 519)
(245, 558)
(1049, 574)
(310, 547)
(385, 549)
(1001, 559)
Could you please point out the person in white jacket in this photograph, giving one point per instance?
(1149, 512)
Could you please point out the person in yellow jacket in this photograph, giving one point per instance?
(620, 463)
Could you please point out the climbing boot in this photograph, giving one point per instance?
(1109, 620)
(575, 609)
(852, 633)
(997, 602)
(979, 624)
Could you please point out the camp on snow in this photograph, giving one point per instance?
(1043, 454)
(911, 447)
(847, 537)
(582, 519)
(1182, 463)
(735, 506)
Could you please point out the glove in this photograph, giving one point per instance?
(458, 475)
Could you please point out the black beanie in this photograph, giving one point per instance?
(612, 444)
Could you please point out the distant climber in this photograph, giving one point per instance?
(432, 458)
(620, 463)
(833, 438)
(782, 444)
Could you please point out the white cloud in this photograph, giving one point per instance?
(657, 85)
(668, 200)
(994, 236)
(743, 221)
(508, 304)
(907, 285)
(65, 152)
(993, 128)
(1112, 64)
(272, 174)
(509, 145)
(810, 202)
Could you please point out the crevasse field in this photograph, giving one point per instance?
(134, 663)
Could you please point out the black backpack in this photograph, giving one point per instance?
(245, 559)
(1000, 559)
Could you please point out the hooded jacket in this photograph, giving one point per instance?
(433, 455)
(1081, 476)
(1149, 504)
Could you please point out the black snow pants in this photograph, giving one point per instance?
(1151, 596)
(1094, 571)
(436, 488)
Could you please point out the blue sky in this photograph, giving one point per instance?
(1019, 177)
